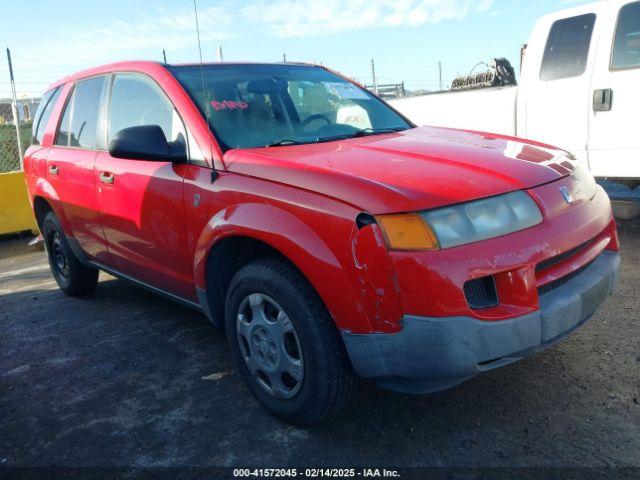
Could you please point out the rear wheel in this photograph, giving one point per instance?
(71, 275)
(284, 343)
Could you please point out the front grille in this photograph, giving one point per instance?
(550, 262)
(481, 292)
(547, 287)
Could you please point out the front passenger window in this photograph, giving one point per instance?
(136, 100)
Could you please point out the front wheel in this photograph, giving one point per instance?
(284, 343)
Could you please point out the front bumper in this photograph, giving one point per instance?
(435, 353)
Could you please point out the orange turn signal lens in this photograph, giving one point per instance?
(407, 231)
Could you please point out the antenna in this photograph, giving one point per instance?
(204, 92)
(164, 56)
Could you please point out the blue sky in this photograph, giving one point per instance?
(407, 38)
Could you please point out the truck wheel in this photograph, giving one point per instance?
(72, 277)
(284, 343)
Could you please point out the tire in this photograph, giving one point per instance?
(310, 345)
(72, 277)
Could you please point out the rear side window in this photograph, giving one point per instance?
(567, 49)
(626, 46)
(43, 113)
(79, 126)
(136, 100)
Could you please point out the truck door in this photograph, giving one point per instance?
(553, 101)
(614, 143)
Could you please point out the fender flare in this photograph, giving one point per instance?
(294, 240)
(46, 191)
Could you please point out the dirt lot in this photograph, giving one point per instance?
(124, 379)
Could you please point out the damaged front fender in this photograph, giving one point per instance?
(377, 282)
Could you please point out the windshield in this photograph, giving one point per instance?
(271, 105)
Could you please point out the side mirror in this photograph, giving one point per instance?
(146, 142)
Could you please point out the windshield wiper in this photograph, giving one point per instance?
(283, 142)
(363, 132)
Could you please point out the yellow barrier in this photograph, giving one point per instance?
(15, 211)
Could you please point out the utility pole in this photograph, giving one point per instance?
(14, 106)
(373, 76)
(164, 55)
(220, 57)
(440, 75)
(284, 58)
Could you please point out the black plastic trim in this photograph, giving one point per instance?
(146, 286)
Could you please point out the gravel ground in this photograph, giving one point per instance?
(124, 379)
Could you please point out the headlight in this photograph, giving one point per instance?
(483, 219)
(460, 224)
(586, 183)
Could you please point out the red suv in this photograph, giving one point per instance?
(327, 234)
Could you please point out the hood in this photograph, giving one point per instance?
(417, 169)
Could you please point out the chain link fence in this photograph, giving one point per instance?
(9, 151)
(25, 108)
(16, 114)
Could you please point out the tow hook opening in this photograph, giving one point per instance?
(363, 219)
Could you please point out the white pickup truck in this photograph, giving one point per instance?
(579, 89)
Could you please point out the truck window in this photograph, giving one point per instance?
(79, 126)
(567, 49)
(626, 45)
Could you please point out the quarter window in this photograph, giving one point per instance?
(567, 49)
(43, 114)
(626, 46)
(137, 100)
(65, 124)
(79, 126)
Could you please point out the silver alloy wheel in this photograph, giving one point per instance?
(270, 346)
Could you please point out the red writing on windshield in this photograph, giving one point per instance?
(229, 104)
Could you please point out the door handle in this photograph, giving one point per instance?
(54, 170)
(107, 177)
(602, 100)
